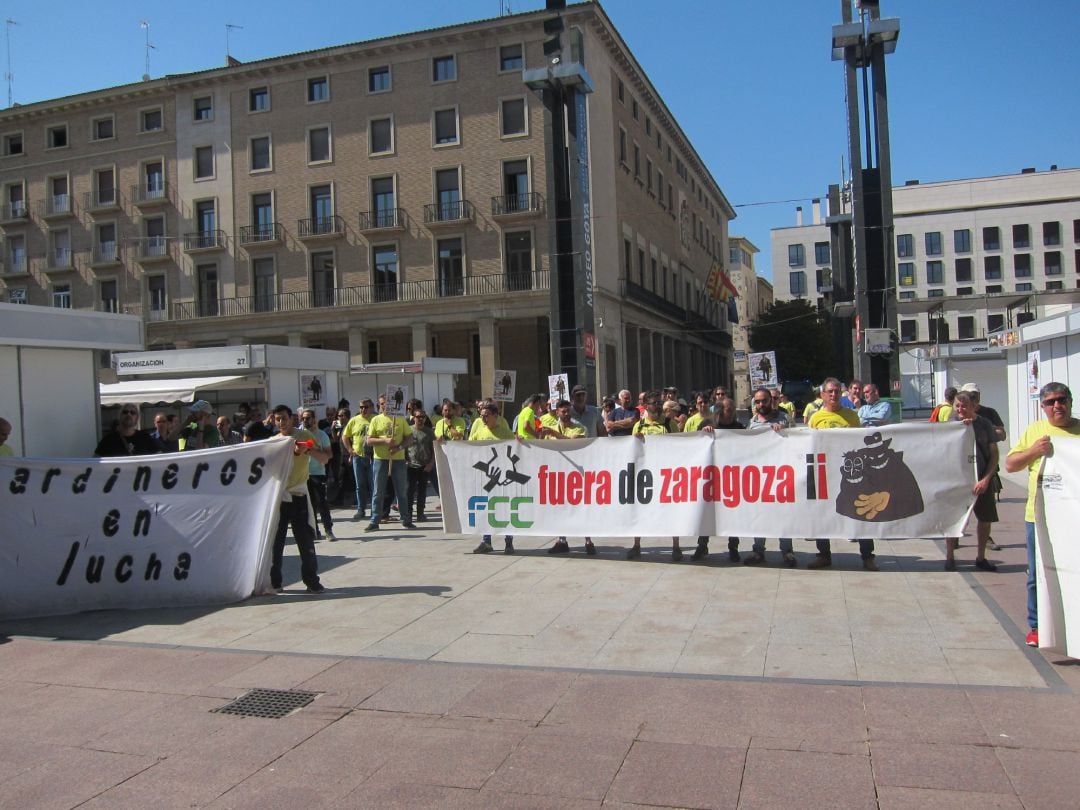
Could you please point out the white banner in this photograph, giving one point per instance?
(146, 531)
(1057, 555)
(891, 482)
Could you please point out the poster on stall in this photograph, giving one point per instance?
(1033, 374)
(312, 390)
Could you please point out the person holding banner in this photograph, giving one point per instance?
(293, 510)
(1035, 443)
(388, 437)
(652, 424)
(986, 462)
(768, 417)
(491, 427)
(125, 439)
(567, 428)
(832, 414)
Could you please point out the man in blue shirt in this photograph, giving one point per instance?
(876, 411)
(620, 420)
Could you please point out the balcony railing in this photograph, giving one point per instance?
(517, 204)
(387, 219)
(267, 234)
(60, 259)
(448, 213)
(635, 292)
(320, 226)
(102, 199)
(57, 205)
(204, 240)
(153, 248)
(16, 266)
(147, 194)
(371, 294)
(105, 253)
(14, 211)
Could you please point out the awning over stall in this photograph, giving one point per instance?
(183, 389)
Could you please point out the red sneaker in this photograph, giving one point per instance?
(1033, 637)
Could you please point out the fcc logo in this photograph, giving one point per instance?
(498, 511)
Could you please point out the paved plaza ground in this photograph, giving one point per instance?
(448, 679)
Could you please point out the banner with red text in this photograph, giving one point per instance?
(891, 482)
(139, 532)
(1057, 554)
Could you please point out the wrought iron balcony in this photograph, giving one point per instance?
(385, 220)
(517, 205)
(320, 227)
(105, 254)
(60, 260)
(146, 195)
(268, 234)
(153, 249)
(448, 213)
(366, 295)
(57, 206)
(101, 200)
(14, 212)
(646, 297)
(204, 240)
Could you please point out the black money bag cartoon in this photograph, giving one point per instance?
(877, 486)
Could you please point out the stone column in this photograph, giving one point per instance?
(489, 356)
(358, 339)
(421, 338)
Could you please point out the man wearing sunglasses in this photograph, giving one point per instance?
(768, 417)
(1036, 442)
(125, 439)
(354, 440)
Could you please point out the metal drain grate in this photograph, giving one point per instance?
(272, 703)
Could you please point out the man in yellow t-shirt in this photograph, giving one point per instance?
(652, 423)
(832, 414)
(354, 441)
(450, 428)
(293, 509)
(479, 422)
(388, 436)
(491, 427)
(567, 427)
(527, 419)
(1034, 444)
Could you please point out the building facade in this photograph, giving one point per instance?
(972, 257)
(387, 198)
(755, 296)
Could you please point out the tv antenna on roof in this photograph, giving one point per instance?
(9, 75)
(228, 28)
(504, 8)
(143, 24)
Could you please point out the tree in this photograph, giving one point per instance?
(801, 336)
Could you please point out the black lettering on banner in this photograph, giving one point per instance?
(93, 567)
(78, 486)
(256, 470)
(111, 524)
(123, 568)
(169, 476)
(112, 480)
(200, 468)
(635, 485)
(142, 478)
(183, 565)
(153, 568)
(228, 472)
(142, 523)
(50, 474)
(18, 481)
(70, 561)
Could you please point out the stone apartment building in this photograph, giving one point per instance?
(972, 257)
(755, 297)
(388, 198)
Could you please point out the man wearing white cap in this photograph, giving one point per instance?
(199, 431)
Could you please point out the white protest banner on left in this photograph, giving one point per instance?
(1057, 555)
(139, 532)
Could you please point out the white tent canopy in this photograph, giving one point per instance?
(154, 391)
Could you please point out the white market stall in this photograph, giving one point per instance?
(1042, 351)
(261, 375)
(49, 365)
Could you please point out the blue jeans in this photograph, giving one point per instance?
(785, 545)
(381, 468)
(361, 468)
(1033, 603)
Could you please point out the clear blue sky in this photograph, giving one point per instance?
(976, 87)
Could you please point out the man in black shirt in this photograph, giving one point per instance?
(125, 439)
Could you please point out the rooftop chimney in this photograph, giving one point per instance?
(911, 182)
(815, 208)
(798, 216)
(1028, 170)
